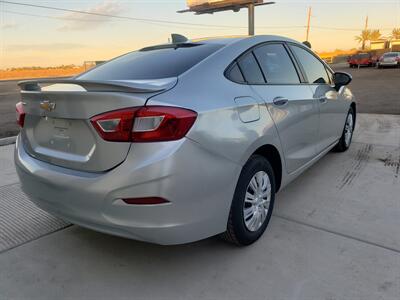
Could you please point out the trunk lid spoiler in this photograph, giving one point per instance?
(76, 85)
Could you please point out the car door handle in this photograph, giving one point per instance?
(280, 101)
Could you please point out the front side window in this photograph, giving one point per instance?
(276, 64)
(314, 69)
(250, 69)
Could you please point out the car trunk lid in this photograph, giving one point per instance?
(57, 127)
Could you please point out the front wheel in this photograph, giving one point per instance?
(252, 202)
(347, 135)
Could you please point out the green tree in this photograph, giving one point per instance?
(375, 35)
(363, 38)
(395, 33)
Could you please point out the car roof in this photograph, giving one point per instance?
(226, 40)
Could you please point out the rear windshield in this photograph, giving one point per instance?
(390, 55)
(153, 62)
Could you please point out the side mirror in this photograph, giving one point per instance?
(341, 79)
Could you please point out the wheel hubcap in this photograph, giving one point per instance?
(348, 129)
(257, 201)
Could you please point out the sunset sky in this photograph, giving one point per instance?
(42, 37)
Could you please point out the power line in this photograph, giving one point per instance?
(154, 21)
(48, 17)
(346, 29)
(118, 17)
(94, 21)
(134, 18)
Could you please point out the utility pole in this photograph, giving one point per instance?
(365, 30)
(251, 18)
(308, 24)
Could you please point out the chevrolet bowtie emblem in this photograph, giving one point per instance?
(47, 105)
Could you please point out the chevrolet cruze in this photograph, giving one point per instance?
(179, 142)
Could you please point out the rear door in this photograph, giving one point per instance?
(331, 105)
(290, 103)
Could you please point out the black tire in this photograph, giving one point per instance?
(341, 146)
(237, 231)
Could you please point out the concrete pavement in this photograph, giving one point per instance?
(334, 235)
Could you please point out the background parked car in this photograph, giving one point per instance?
(390, 59)
(362, 59)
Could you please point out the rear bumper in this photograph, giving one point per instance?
(389, 64)
(198, 184)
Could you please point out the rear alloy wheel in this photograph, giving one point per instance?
(252, 203)
(347, 135)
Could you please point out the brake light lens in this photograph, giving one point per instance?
(20, 114)
(144, 124)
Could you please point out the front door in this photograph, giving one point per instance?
(331, 104)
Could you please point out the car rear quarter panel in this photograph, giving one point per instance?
(219, 127)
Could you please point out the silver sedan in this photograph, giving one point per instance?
(389, 59)
(179, 142)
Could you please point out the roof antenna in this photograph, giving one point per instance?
(178, 38)
(307, 43)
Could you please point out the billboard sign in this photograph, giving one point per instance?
(216, 5)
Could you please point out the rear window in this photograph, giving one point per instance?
(390, 55)
(365, 55)
(153, 62)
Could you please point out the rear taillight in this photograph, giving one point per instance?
(20, 114)
(161, 123)
(144, 124)
(115, 126)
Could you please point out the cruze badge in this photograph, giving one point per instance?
(47, 105)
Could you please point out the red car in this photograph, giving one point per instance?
(362, 59)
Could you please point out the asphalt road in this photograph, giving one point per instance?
(377, 91)
(9, 96)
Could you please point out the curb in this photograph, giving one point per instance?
(8, 140)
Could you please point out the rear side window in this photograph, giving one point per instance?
(153, 62)
(314, 69)
(235, 74)
(250, 69)
(276, 64)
